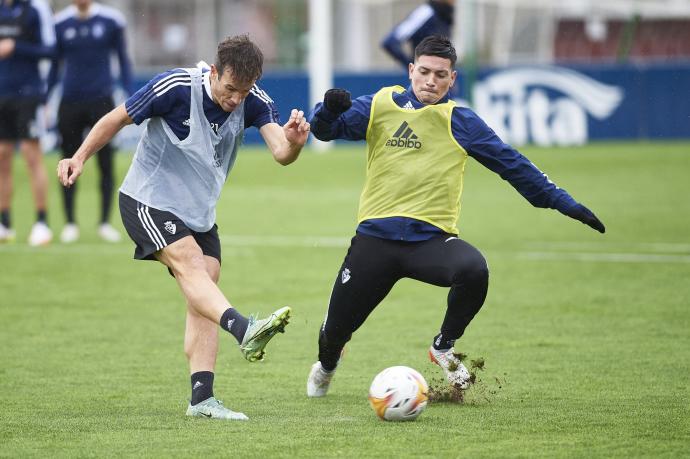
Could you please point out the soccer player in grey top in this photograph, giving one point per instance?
(196, 122)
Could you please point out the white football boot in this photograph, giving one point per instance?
(69, 234)
(455, 371)
(6, 234)
(318, 381)
(40, 235)
(108, 233)
(213, 409)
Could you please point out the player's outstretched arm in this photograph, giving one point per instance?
(287, 141)
(586, 216)
(482, 143)
(69, 169)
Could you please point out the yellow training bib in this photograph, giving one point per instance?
(414, 165)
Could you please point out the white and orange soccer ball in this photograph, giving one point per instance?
(398, 394)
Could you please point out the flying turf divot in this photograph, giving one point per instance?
(440, 391)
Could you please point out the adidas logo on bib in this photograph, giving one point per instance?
(404, 137)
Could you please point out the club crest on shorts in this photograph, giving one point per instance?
(345, 275)
(170, 227)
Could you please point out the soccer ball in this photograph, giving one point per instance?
(398, 394)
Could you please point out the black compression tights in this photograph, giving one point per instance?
(74, 118)
(105, 164)
(372, 266)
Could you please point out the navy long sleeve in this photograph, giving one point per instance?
(470, 131)
(30, 25)
(482, 143)
(124, 62)
(33, 50)
(431, 18)
(85, 45)
(394, 46)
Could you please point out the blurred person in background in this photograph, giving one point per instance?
(434, 17)
(26, 37)
(418, 141)
(88, 34)
(197, 118)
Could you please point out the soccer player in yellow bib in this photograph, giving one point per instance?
(418, 141)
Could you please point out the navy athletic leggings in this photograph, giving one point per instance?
(373, 265)
(73, 120)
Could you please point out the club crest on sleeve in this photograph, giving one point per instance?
(345, 275)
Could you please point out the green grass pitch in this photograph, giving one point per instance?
(586, 337)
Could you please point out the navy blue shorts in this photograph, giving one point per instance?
(152, 230)
(19, 118)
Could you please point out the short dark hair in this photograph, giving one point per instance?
(242, 57)
(436, 45)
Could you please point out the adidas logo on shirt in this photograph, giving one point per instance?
(408, 106)
(404, 137)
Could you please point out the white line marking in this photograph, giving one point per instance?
(79, 248)
(340, 242)
(605, 257)
(661, 247)
(284, 241)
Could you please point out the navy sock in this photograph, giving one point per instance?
(202, 386)
(234, 323)
(41, 216)
(5, 218)
(441, 343)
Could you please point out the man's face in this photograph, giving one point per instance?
(227, 92)
(431, 77)
(81, 4)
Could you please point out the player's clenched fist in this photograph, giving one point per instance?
(337, 101)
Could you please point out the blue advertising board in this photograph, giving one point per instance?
(544, 105)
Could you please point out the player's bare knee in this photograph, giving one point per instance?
(34, 163)
(6, 152)
(212, 268)
(185, 259)
(5, 164)
(189, 265)
(32, 154)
